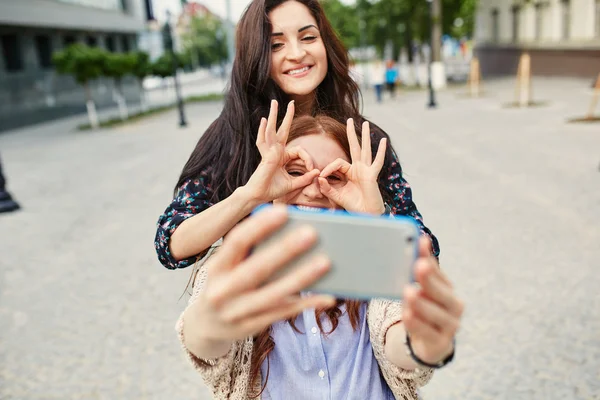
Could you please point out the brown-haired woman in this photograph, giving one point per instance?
(251, 337)
(286, 50)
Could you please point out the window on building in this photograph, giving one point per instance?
(495, 26)
(149, 10)
(516, 10)
(539, 21)
(91, 41)
(110, 44)
(12, 53)
(125, 44)
(566, 18)
(43, 48)
(69, 40)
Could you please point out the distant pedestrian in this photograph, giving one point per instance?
(391, 78)
(7, 203)
(377, 76)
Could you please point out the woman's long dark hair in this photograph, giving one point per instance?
(226, 155)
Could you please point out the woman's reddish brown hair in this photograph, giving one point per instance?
(263, 342)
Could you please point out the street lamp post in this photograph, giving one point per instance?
(432, 103)
(168, 40)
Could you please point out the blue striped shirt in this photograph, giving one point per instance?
(314, 366)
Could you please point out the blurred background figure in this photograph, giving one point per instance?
(391, 77)
(7, 204)
(377, 77)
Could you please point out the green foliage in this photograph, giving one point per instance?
(142, 66)
(205, 42)
(345, 21)
(83, 62)
(398, 22)
(163, 66)
(117, 65)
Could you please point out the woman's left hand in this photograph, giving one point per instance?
(432, 312)
(360, 193)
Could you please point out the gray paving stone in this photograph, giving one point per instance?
(86, 311)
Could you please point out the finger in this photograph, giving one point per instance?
(297, 152)
(331, 193)
(271, 131)
(260, 138)
(430, 313)
(416, 327)
(426, 252)
(304, 180)
(380, 156)
(284, 129)
(276, 292)
(366, 153)
(436, 289)
(286, 311)
(339, 164)
(352, 140)
(247, 234)
(262, 264)
(425, 246)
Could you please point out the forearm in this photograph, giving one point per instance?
(199, 232)
(197, 343)
(395, 349)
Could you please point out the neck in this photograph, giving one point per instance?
(304, 104)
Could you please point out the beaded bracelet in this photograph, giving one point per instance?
(438, 365)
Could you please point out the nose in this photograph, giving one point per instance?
(295, 51)
(313, 191)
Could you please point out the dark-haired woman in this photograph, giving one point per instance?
(286, 50)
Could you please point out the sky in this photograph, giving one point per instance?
(216, 6)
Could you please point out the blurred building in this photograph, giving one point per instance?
(31, 30)
(562, 36)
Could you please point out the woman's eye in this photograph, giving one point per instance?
(333, 178)
(275, 46)
(309, 38)
(295, 173)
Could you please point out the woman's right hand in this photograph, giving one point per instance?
(271, 180)
(238, 300)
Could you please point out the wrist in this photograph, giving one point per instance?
(198, 341)
(438, 361)
(245, 199)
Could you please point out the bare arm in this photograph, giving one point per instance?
(199, 232)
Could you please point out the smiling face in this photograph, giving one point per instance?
(323, 150)
(298, 55)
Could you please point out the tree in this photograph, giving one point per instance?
(84, 64)
(345, 21)
(206, 41)
(163, 66)
(116, 66)
(141, 69)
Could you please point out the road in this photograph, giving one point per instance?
(87, 312)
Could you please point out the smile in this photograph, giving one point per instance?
(312, 209)
(299, 71)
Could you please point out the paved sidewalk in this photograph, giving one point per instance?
(86, 311)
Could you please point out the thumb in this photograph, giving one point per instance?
(425, 246)
(304, 180)
(331, 193)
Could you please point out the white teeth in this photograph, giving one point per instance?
(307, 208)
(298, 71)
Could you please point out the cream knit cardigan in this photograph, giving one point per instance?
(228, 377)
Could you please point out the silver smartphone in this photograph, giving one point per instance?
(371, 257)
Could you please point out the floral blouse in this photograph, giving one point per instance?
(194, 197)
